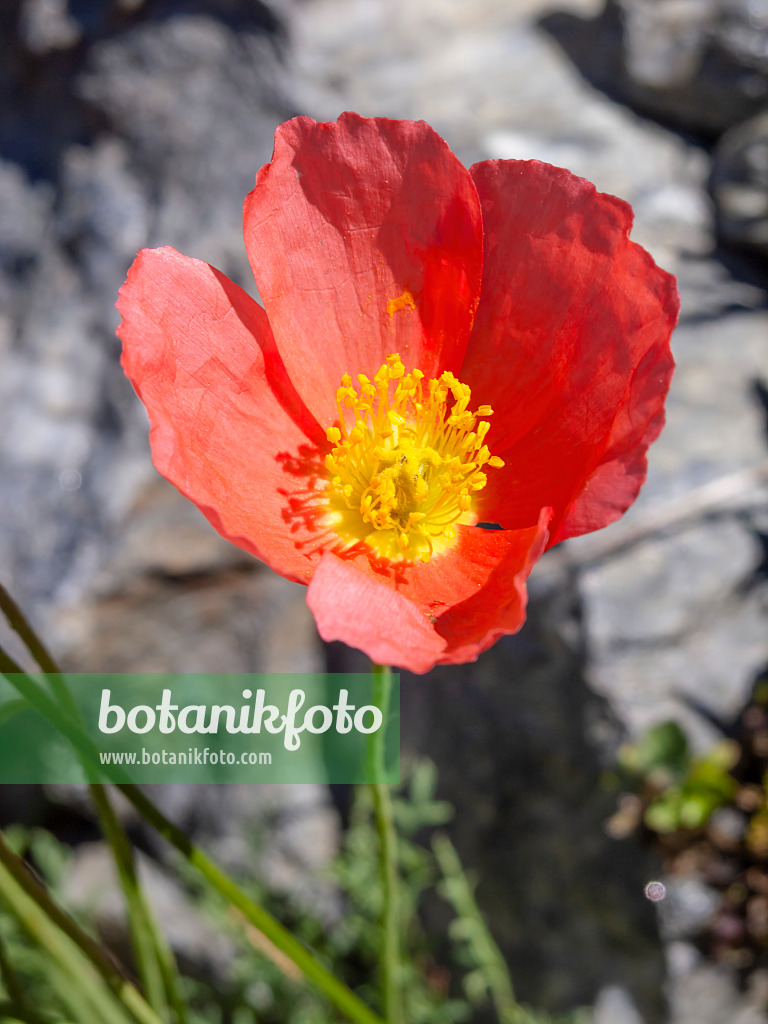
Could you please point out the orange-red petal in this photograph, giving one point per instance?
(570, 346)
(367, 613)
(446, 611)
(225, 421)
(365, 238)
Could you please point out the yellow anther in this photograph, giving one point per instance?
(406, 462)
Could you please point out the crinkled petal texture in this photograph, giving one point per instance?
(445, 612)
(570, 346)
(365, 238)
(199, 353)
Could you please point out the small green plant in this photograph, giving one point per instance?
(681, 791)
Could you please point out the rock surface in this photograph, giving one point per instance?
(700, 64)
(739, 184)
(164, 111)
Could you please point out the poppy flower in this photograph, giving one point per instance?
(438, 350)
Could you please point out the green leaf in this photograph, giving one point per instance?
(665, 746)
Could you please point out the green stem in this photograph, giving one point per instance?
(342, 997)
(338, 994)
(21, 625)
(39, 699)
(391, 996)
(146, 939)
(14, 868)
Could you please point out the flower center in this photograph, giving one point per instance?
(408, 468)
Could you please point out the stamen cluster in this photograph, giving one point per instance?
(408, 467)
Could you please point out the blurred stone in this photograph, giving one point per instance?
(91, 887)
(670, 626)
(614, 1006)
(47, 25)
(284, 835)
(186, 108)
(236, 620)
(707, 995)
(667, 635)
(727, 827)
(198, 104)
(739, 184)
(525, 102)
(688, 906)
(701, 64)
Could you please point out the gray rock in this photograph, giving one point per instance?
(701, 64)
(707, 995)
(686, 908)
(673, 621)
(739, 184)
(91, 888)
(285, 835)
(47, 25)
(615, 1006)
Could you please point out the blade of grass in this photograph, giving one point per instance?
(136, 1005)
(19, 623)
(143, 937)
(39, 699)
(13, 986)
(81, 989)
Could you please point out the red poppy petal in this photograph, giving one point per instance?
(365, 238)
(570, 347)
(367, 613)
(616, 482)
(476, 623)
(444, 612)
(194, 348)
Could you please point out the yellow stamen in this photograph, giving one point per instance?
(410, 465)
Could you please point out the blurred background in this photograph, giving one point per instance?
(130, 123)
